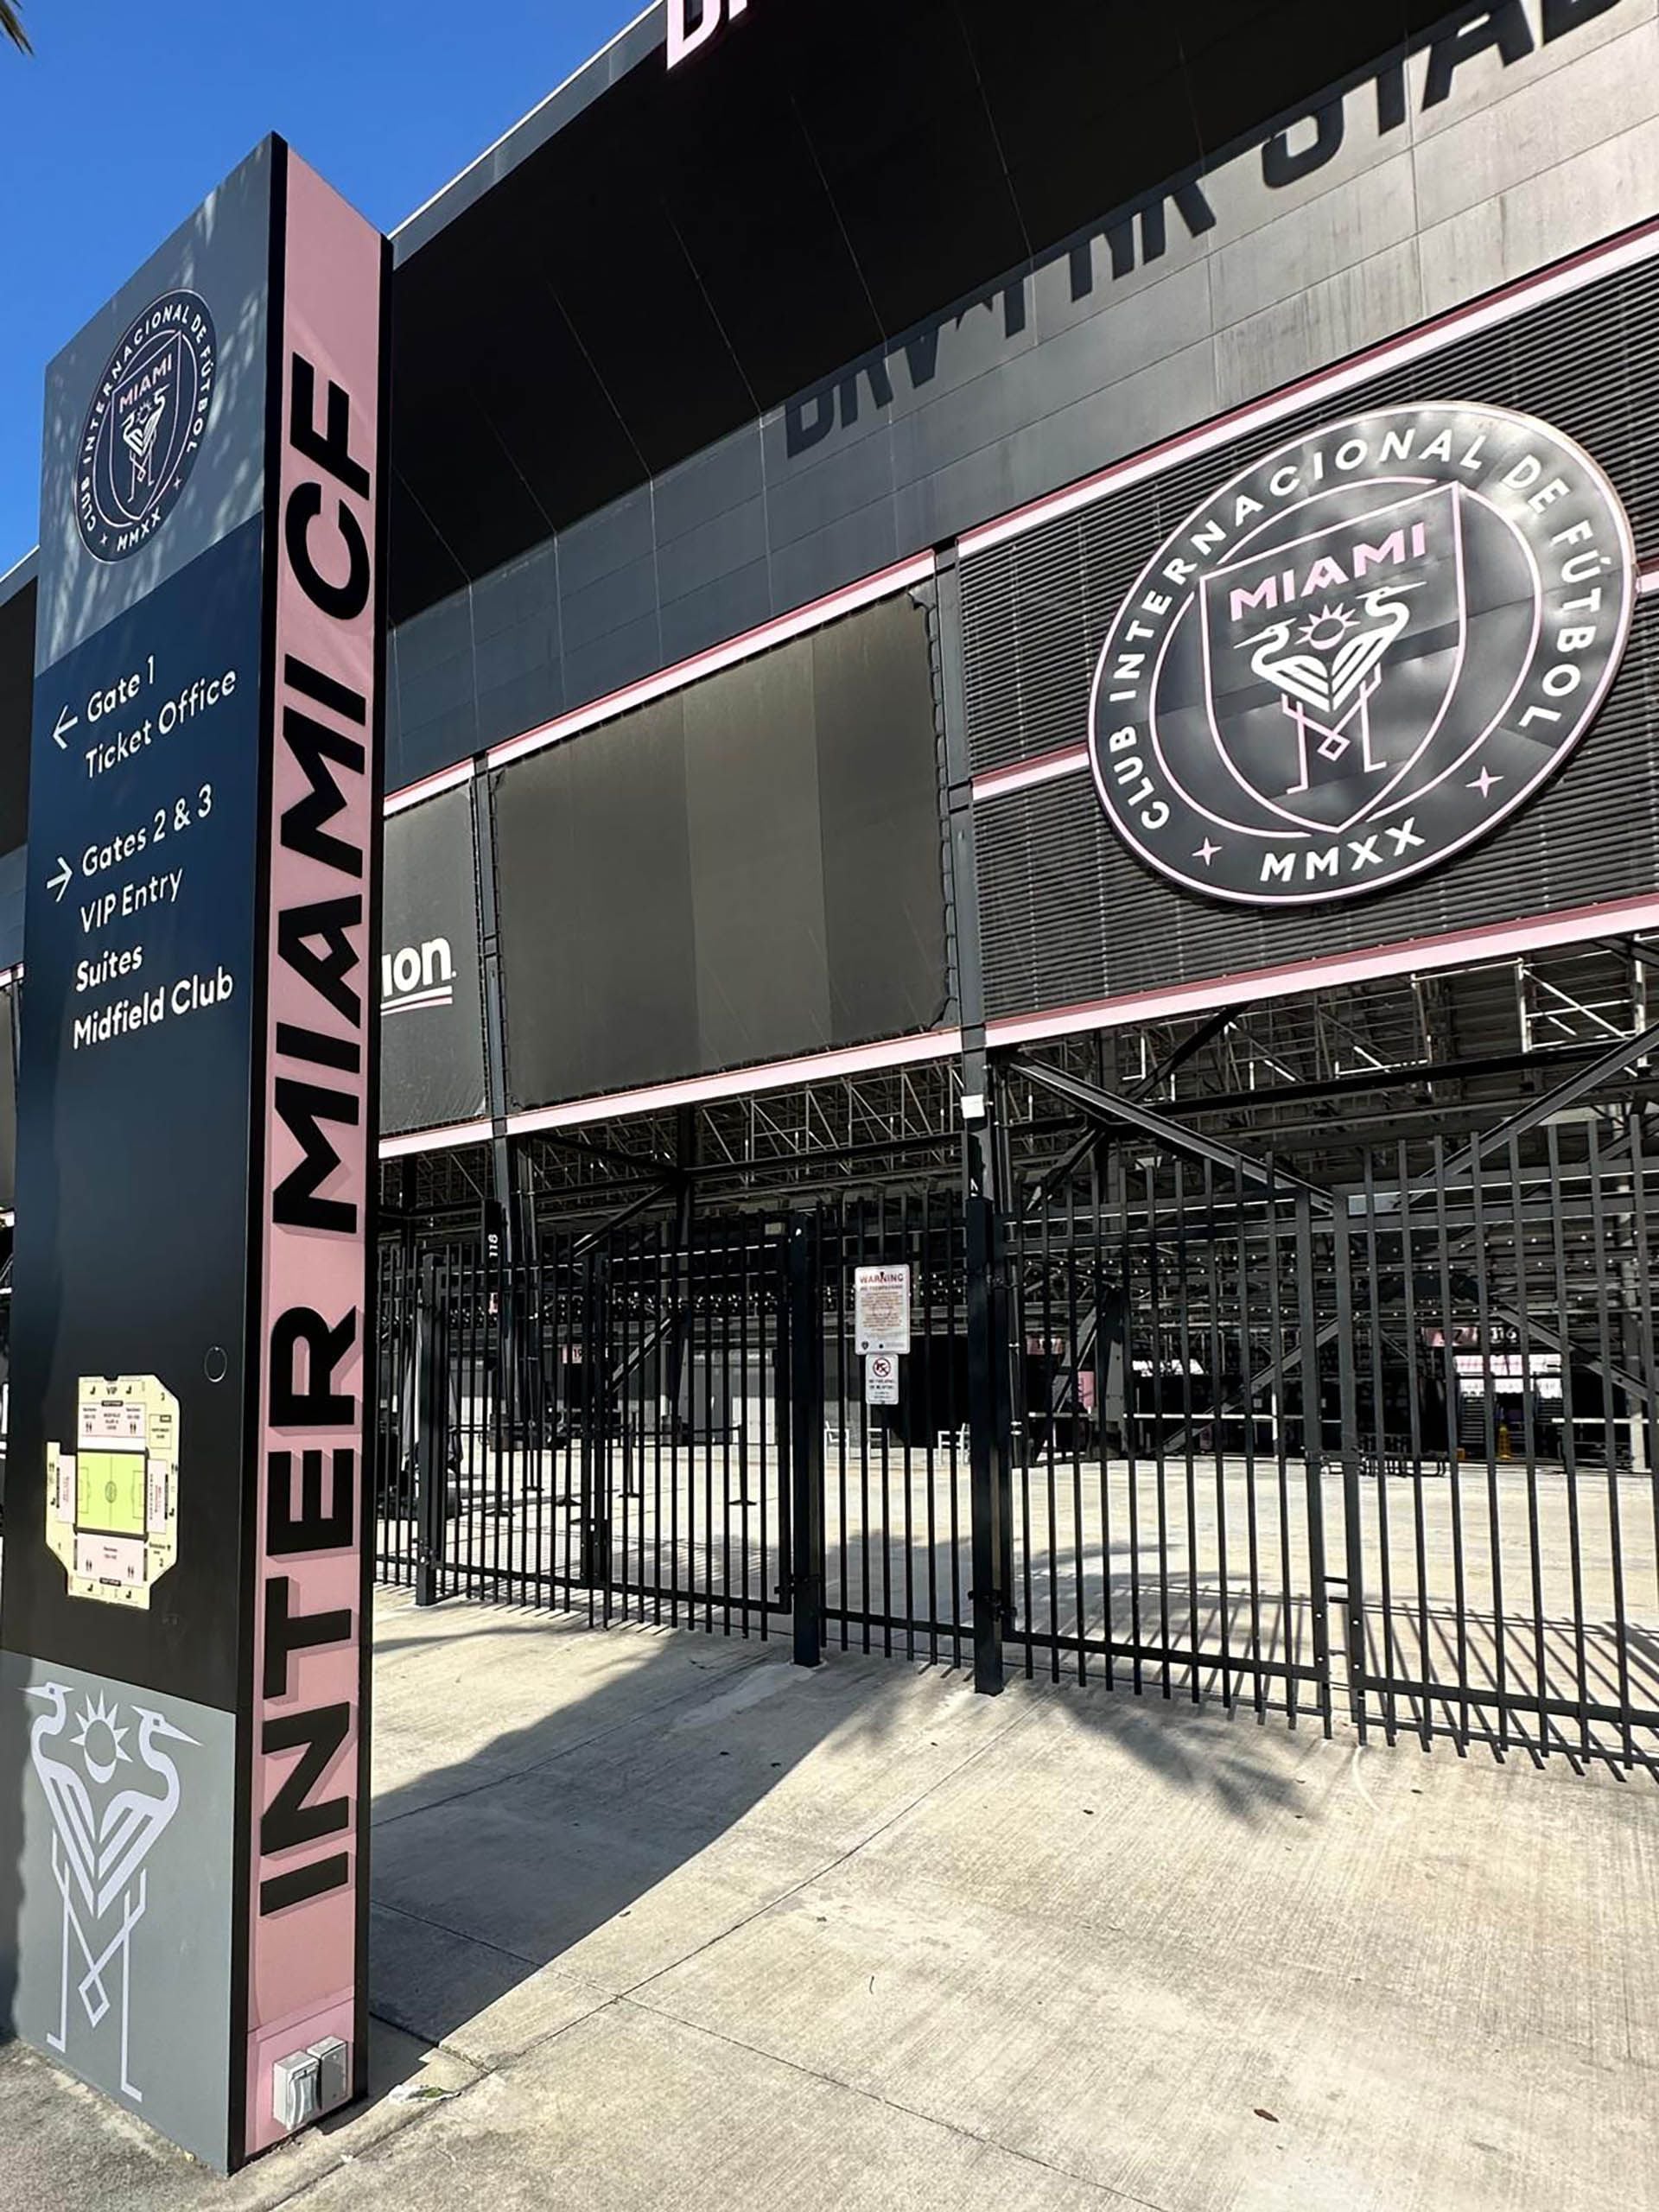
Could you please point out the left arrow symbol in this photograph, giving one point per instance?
(66, 721)
(58, 884)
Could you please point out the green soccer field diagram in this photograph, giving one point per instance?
(110, 1492)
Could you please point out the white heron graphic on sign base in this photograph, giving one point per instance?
(98, 1848)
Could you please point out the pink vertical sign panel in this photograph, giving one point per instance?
(308, 1873)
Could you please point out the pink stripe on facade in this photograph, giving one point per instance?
(444, 1139)
(1045, 768)
(1414, 956)
(1569, 275)
(882, 585)
(742, 1083)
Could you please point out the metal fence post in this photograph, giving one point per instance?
(1313, 1455)
(599, 1423)
(431, 1430)
(988, 1410)
(1353, 1523)
(806, 1439)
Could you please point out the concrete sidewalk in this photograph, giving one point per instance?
(676, 1923)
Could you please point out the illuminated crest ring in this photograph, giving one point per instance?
(1361, 654)
(145, 424)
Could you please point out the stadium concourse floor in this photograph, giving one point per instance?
(670, 1921)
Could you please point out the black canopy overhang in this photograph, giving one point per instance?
(692, 249)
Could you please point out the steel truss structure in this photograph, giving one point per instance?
(1299, 1355)
(1310, 1076)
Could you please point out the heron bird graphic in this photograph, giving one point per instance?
(1324, 665)
(138, 435)
(99, 1843)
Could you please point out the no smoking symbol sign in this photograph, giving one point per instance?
(881, 1379)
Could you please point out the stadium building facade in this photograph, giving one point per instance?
(1024, 648)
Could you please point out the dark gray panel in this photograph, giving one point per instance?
(746, 871)
(615, 537)
(395, 771)
(619, 657)
(431, 1003)
(518, 670)
(723, 608)
(523, 595)
(436, 690)
(839, 554)
(724, 543)
(513, 704)
(8, 1099)
(758, 860)
(934, 510)
(805, 492)
(710, 483)
(879, 797)
(598, 948)
(1124, 419)
(13, 871)
(610, 602)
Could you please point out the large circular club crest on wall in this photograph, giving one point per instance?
(145, 425)
(1361, 654)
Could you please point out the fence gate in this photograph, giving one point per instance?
(1169, 1506)
(1387, 1451)
(1494, 1345)
(896, 1534)
(604, 1428)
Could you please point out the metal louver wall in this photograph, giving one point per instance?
(1036, 608)
(1069, 916)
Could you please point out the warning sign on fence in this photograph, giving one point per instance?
(881, 1309)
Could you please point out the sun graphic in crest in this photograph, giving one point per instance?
(103, 1751)
(1328, 627)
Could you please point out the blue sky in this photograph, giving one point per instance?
(126, 117)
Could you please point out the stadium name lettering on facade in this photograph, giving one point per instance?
(1444, 68)
(687, 31)
(1505, 28)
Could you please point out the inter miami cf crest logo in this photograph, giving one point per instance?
(1361, 654)
(145, 425)
(108, 1810)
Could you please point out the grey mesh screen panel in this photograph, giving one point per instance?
(746, 870)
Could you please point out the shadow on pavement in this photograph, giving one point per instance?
(618, 1830)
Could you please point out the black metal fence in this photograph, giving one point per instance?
(1494, 1337)
(1169, 1499)
(603, 1428)
(1189, 1427)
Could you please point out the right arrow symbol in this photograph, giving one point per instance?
(59, 883)
(66, 720)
